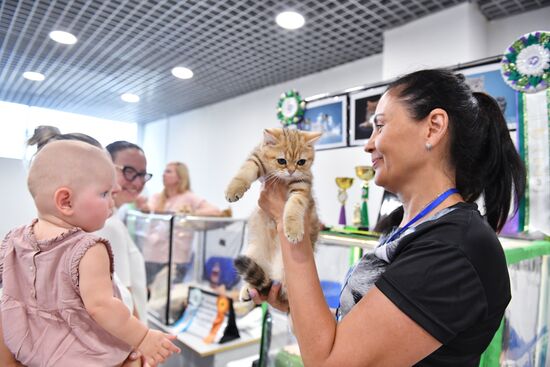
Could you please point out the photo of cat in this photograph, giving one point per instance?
(285, 155)
(362, 109)
(329, 117)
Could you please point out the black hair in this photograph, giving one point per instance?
(44, 134)
(121, 145)
(481, 150)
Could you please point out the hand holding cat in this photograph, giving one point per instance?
(273, 199)
(272, 298)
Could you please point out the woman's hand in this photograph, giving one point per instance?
(273, 199)
(272, 298)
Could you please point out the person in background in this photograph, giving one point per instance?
(59, 303)
(434, 291)
(176, 197)
(131, 175)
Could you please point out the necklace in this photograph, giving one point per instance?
(428, 208)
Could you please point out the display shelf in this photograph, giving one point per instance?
(522, 339)
(197, 345)
(196, 353)
(180, 250)
(347, 240)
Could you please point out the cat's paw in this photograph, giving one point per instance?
(235, 190)
(294, 231)
(244, 294)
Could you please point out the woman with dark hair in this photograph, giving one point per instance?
(434, 291)
(131, 166)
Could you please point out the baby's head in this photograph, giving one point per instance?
(72, 183)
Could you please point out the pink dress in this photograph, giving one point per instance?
(155, 248)
(43, 316)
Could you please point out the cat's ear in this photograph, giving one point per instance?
(271, 136)
(312, 137)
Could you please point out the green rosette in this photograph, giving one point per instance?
(290, 108)
(525, 65)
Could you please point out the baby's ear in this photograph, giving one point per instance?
(271, 136)
(63, 198)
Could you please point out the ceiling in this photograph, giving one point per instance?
(232, 46)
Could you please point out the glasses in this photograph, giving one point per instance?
(130, 173)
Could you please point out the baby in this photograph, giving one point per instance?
(59, 305)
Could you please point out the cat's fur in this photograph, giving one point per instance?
(262, 262)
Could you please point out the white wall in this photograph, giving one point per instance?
(17, 205)
(153, 137)
(456, 35)
(452, 36)
(502, 32)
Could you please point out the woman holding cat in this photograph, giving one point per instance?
(434, 291)
(176, 197)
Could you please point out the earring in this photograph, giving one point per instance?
(428, 147)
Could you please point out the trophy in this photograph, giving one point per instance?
(343, 183)
(365, 173)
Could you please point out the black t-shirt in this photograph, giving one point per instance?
(450, 276)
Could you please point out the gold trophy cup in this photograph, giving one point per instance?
(365, 173)
(343, 183)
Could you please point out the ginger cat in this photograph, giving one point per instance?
(283, 155)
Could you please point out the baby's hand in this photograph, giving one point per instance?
(157, 346)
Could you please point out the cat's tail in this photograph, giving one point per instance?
(253, 274)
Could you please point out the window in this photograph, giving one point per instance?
(17, 124)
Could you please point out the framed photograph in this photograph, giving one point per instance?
(362, 108)
(488, 79)
(328, 115)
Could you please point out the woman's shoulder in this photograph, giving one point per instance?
(459, 223)
(461, 229)
(465, 233)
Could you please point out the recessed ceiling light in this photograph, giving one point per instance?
(129, 97)
(182, 72)
(65, 38)
(34, 76)
(290, 20)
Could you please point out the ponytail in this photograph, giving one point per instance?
(499, 167)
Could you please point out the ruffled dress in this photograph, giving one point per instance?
(43, 317)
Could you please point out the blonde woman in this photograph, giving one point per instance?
(176, 197)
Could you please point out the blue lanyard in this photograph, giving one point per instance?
(438, 200)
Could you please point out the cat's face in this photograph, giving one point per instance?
(288, 154)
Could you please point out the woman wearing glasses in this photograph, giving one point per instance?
(131, 165)
(176, 197)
